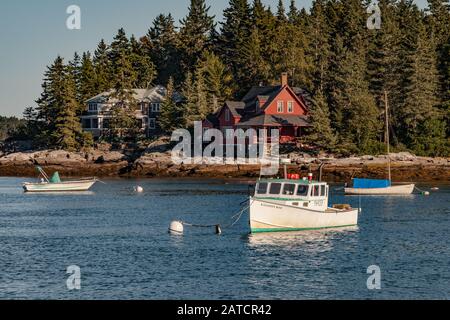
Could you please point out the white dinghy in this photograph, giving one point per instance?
(54, 184)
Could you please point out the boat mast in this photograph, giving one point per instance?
(387, 133)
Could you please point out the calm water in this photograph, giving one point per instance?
(120, 242)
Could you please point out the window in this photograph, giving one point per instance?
(93, 107)
(152, 123)
(289, 189)
(316, 191)
(323, 190)
(291, 106)
(227, 115)
(280, 108)
(156, 107)
(262, 188)
(302, 190)
(94, 123)
(105, 123)
(275, 188)
(87, 123)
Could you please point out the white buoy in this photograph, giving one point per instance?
(426, 193)
(138, 189)
(435, 189)
(176, 227)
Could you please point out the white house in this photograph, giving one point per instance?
(98, 113)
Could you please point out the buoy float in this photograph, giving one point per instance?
(176, 227)
(138, 189)
(426, 193)
(435, 189)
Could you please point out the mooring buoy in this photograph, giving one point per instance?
(176, 227)
(138, 189)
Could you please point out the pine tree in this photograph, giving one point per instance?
(218, 81)
(51, 99)
(68, 131)
(321, 134)
(122, 122)
(142, 64)
(194, 33)
(420, 86)
(172, 113)
(102, 67)
(235, 32)
(319, 48)
(189, 94)
(162, 45)
(88, 85)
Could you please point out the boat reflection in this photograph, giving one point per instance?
(316, 240)
(62, 193)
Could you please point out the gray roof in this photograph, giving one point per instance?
(155, 94)
(236, 108)
(275, 120)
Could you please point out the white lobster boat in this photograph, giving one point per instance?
(281, 205)
(54, 184)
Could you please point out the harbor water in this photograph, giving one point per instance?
(119, 240)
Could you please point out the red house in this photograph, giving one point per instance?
(266, 107)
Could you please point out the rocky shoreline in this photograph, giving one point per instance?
(405, 167)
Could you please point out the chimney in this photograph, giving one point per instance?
(284, 79)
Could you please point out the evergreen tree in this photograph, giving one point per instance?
(321, 134)
(235, 32)
(419, 87)
(123, 122)
(88, 85)
(142, 64)
(194, 33)
(162, 45)
(218, 81)
(172, 113)
(102, 68)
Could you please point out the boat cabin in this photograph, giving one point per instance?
(299, 193)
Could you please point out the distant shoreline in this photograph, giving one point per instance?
(113, 164)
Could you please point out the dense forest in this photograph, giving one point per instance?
(328, 50)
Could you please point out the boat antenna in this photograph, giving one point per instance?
(387, 134)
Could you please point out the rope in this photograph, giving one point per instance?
(237, 217)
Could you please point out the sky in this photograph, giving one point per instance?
(33, 33)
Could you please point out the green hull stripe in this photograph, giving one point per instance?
(261, 230)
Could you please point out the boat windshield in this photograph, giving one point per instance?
(288, 189)
(262, 188)
(275, 188)
(302, 190)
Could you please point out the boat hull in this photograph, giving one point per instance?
(59, 187)
(266, 216)
(394, 190)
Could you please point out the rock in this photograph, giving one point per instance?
(402, 156)
(112, 156)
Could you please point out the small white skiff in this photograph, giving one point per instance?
(54, 184)
(281, 205)
(67, 186)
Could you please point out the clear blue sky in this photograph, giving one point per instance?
(33, 33)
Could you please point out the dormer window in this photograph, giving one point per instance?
(93, 107)
(156, 107)
(280, 108)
